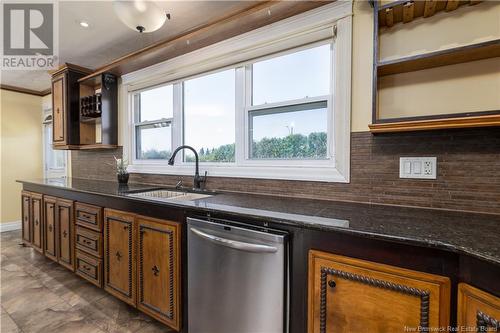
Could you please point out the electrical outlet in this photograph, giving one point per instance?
(418, 167)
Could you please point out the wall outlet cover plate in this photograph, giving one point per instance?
(418, 167)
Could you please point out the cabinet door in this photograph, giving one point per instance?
(65, 233)
(36, 216)
(50, 231)
(58, 113)
(352, 295)
(26, 212)
(158, 269)
(478, 311)
(119, 255)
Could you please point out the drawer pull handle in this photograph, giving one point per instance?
(65, 234)
(156, 270)
(87, 216)
(50, 227)
(85, 267)
(118, 255)
(36, 222)
(332, 284)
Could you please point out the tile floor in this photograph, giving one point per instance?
(38, 295)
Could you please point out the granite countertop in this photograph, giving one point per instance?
(474, 234)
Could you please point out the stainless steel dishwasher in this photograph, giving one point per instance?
(237, 278)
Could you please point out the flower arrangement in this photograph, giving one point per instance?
(121, 170)
(121, 166)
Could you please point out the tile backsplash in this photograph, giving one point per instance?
(468, 172)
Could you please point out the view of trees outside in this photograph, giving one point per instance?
(312, 146)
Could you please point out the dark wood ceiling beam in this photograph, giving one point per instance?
(262, 14)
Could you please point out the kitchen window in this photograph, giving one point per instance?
(209, 113)
(153, 123)
(273, 103)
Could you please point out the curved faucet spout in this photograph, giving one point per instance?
(197, 179)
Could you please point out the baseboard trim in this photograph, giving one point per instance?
(9, 226)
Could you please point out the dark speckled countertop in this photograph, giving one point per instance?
(462, 232)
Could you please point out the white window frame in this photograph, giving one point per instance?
(47, 144)
(331, 23)
(138, 124)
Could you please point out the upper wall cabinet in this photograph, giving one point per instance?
(436, 65)
(85, 109)
(65, 98)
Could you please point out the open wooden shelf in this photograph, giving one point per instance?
(486, 120)
(457, 55)
(85, 147)
(406, 10)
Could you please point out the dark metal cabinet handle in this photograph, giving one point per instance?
(50, 227)
(65, 234)
(84, 215)
(125, 227)
(156, 270)
(118, 255)
(332, 284)
(36, 222)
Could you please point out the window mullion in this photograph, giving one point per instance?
(178, 122)
(240, 103)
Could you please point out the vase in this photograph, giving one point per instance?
(122, 178)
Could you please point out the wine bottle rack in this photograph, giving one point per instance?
(91, 106)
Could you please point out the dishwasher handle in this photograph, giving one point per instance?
(243, 246)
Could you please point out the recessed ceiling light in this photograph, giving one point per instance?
(84, 24)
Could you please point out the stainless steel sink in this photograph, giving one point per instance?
(166, 195)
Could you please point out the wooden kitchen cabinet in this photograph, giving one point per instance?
(37, 236)
(120, 255)
(50, 233)
(158, 269)
(66, 104)
(65, 233)
(26, 216)
(352, 295)
(32, 221)
(478, 311)
(58, 118)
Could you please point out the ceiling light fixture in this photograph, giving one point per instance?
(140, 15)
(84, 24)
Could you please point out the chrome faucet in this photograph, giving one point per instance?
(198, 180)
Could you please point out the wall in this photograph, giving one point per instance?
(468, 165)
(21, 148)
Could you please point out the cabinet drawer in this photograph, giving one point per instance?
(89, 241)
(89, 216)
(89, 268)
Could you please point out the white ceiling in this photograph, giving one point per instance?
(108, 38)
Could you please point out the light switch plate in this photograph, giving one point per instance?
(418, 167)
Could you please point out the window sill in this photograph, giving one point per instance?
(318, 174)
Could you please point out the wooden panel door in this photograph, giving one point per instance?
(351, 295)
(478, 311)
(65, 233)
(58, 110)
(119, 255)
(37, 223)
(50, 227)
(158, 269)
(26, 213)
